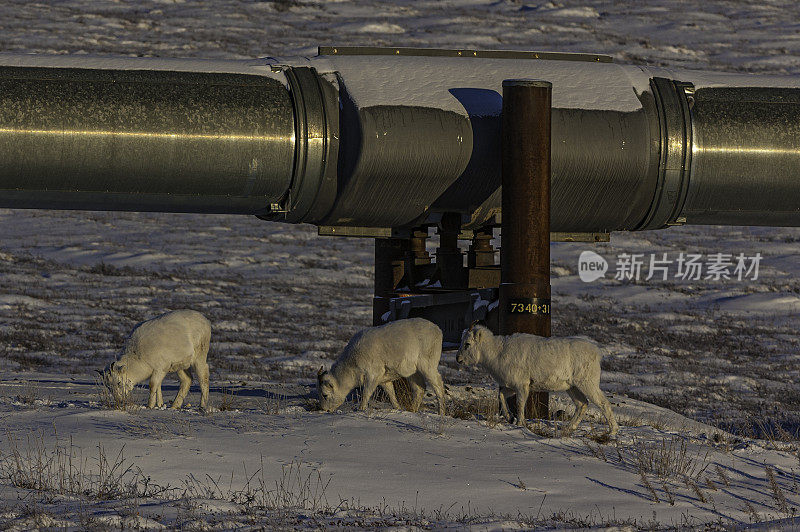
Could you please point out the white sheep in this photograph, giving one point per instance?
(409, 348)
(521, 363)
(173, 342)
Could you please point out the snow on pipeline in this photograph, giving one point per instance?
(701, 371)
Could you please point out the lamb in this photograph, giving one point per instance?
(524, 362)
(409, 348)
(173, 342)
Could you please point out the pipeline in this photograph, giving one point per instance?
(393, 138)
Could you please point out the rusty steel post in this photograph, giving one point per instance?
(525, 225)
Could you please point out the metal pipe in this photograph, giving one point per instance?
(525, 238)
(143, 140)
(394, 138)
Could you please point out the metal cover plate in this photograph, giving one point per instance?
(445, 52)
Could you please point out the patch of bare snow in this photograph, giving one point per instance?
(577, 12)
(381, 27)
(8, 301)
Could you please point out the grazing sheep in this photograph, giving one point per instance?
(524, 362)
(175, 341)
(409, 348)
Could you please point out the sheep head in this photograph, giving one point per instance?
(330, 396)
(469, 353)
(116, 381)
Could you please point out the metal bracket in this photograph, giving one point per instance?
(394, 232)
(363, 232)
(580, 237)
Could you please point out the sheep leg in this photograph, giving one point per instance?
(201, 370)
(433, 378)
(502, 396)
(186, 382)
(388, 387)
(522, 398)
(370, 385)
(156, 399)
(580, 407)
(596, 396)
(417, 384)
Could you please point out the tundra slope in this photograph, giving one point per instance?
(177, 342)
(522, 363)
(378, 356)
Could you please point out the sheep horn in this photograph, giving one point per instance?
(321, 371)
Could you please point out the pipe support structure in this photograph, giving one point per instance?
(525, 235)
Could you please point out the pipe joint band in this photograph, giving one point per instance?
(675, 152)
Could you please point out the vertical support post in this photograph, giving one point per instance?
(389, 271)
(397, 260)
(449, 259)
(525, 247)
(417, 256)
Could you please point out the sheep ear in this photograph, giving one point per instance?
(478, 323)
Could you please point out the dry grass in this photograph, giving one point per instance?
(299, 487)
(228, 401)
(62, 468)
(29, 395)
(722, 475)
(481, 406)
(668, 459)
(124, 402)
(668, 463)
(668, 493)
(751, 512)
(777, 493)
(273, 403)
(648, 486)
(692, 485)
(596, 450)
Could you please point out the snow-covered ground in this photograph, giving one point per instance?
(284, 301)
(263, 444)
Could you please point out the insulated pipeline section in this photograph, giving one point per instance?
(144, 140)
(394, 141)
(746, 157)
